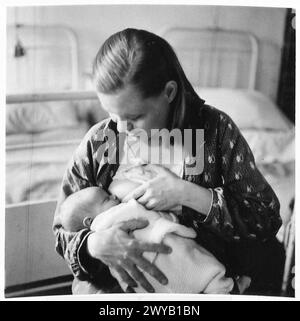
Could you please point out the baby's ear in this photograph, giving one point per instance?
(87, 221)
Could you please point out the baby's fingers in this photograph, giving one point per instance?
(133, 224)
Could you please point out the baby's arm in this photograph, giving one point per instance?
(122, 213)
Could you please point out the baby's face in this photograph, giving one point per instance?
(107, 201)
(101, 201)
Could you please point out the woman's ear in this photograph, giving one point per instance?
(171, 90)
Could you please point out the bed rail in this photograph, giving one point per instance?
(46, 97)
(50, 144)
(216, 57)
(41, 43)
(51, 96)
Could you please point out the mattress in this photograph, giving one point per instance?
(34, 172)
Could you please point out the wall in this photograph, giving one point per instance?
(93, 24)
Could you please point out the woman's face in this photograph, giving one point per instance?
(132, 112)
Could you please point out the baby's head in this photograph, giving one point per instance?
(80, 208)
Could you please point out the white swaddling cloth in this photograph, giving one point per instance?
(189, 268)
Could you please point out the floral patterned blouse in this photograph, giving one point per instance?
(244, 207)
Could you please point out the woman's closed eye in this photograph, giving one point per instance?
(128, 118)
(135, 118)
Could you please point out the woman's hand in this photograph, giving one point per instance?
(123, 253)
(161, 193)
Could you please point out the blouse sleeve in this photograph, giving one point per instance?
(244, 206)
(70, 245)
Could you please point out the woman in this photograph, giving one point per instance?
(234, 211)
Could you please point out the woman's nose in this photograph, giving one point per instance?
(129, 126)
(124, 125)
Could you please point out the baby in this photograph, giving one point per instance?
(189, 268)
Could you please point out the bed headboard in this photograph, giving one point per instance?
(41, 58)
(214, 57)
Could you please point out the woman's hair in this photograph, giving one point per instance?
(146, 61)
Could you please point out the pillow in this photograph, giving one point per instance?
(270, 146)
(248, 109)
(91, 110)
(40, 116)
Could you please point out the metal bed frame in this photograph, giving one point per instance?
(289, 244)
(46, 97)
(205, 53)
(42, 38)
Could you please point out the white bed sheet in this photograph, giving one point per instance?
(34, 174)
